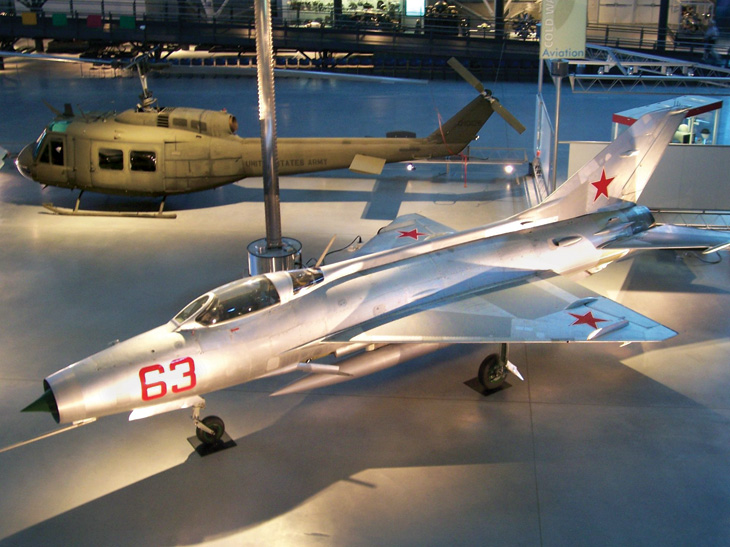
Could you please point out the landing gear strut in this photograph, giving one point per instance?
(210, 429)
(494, 369)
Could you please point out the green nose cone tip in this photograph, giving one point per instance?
(44, 403)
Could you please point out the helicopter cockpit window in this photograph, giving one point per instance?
(109, 158)
(59, 126)
(38, 144)
(240, 299)
(56, 146)
(45, 156)
(52, 152)
(143, 161)
(305, 278)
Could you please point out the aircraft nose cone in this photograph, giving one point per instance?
(45, 403)
(24, 161)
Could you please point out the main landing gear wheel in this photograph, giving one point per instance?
(492, 372)
(215, 424)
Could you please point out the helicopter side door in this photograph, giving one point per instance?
(52, 161)
(124, 168)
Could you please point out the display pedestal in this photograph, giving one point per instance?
(262, 259)
(476, 385)
(203, 449)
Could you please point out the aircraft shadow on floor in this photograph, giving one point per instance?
(323, 440)
(674, 271)
(382, 203)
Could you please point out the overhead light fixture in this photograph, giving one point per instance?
(509, 169)
(410, 167)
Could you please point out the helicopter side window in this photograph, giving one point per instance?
(143, 161)
(110, 158)
(254, 294)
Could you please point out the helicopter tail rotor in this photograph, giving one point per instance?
(462, 71)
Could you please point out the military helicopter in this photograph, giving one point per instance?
(161, 151)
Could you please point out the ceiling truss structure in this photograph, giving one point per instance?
(607, 70)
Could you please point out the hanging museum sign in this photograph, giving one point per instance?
(563, 29)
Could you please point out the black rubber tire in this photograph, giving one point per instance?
(214, 423)
(491, 373)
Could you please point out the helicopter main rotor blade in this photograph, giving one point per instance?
(507, 116)
(462, 71)
(52, 108)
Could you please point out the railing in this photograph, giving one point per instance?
(315, 15)
(695, 218)
(644, 38)
(172, 21)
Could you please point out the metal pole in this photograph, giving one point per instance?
(554, 160)
(267, 120)
(558, 69)
(274, 253)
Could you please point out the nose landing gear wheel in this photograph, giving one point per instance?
(215, 424)
(492, 372)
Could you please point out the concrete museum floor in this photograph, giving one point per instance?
(601, 445)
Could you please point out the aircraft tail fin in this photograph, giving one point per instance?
(620, 171)
(462, 128)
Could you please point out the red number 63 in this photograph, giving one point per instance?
(154, 390)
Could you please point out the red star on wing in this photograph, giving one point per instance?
(587, 319)
(411, 233)
(602, 185)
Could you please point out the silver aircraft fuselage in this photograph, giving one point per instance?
(191, 356)
(412, 288)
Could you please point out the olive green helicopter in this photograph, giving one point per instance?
(160, 151)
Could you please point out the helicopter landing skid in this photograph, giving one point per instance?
(83, 213)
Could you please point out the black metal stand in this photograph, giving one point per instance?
(476, 385)
(203, 449)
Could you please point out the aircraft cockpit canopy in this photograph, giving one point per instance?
(231, 301)
(243, 297)
(192, 309)
(301, 279)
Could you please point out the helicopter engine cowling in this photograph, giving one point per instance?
(213, 123)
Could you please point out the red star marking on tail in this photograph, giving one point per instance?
(411, 233)
(602, 185)
(587, 319)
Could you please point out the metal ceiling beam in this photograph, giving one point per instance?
(607, 70)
